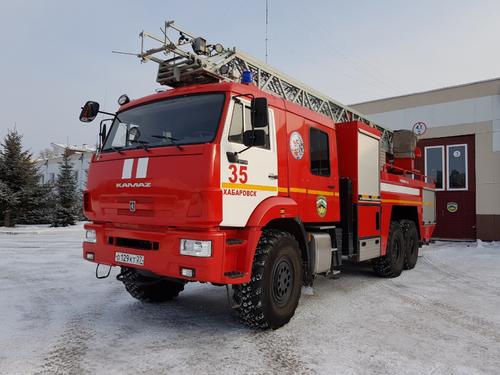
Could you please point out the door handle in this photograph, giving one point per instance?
(331, 186)
(273, 176)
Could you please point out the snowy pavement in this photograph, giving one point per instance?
(56, 317)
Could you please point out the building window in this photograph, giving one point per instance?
(457, 167)
(240, 122)
(434, 165)
(319, 152)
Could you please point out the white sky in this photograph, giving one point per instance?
(57, 54)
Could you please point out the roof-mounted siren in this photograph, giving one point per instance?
(247, 77)
(404, 143)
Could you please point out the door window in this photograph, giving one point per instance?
(434, 165)
(236, 129)
(240, 122)
(455, 176)
(457, 167)
(319, 152)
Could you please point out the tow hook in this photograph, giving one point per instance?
(101, 276)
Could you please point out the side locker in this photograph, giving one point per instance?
(359, 168)
(347, 217)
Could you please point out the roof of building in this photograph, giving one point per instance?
(440, 95)
(58, 150)
(83, 148)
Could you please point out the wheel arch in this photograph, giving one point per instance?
(295, 227)
(281, 213)
(399, 213)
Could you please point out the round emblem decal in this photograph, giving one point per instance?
(321, 206)
(457, 154)
(296, 145)
(419, 128)
(452, 207)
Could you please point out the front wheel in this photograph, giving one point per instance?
(152, 289)
(270, 298)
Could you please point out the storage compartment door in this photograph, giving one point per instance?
(368, 166)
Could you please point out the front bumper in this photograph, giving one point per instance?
(221, 267)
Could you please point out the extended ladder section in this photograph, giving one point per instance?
(206, 63)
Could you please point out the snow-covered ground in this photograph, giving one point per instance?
(56, 317)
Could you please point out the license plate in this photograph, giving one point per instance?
(129, 258)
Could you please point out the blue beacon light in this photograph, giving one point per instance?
(247, 77)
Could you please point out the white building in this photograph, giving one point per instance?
(80, 159)
(459, 129)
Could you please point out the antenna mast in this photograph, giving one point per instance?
(267, 23)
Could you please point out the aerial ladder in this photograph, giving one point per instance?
(187, 60)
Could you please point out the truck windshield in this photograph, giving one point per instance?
(172, 122)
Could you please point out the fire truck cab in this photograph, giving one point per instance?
(229, 184)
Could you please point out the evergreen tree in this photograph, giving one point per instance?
(66, 194)
(18, 178)
(40, 205)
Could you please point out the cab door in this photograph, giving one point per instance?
(322, 200)
(253, 177)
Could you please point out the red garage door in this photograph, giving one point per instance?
(450, 161)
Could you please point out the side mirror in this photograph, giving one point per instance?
(260, 115)
(254, 138)
(89, 111)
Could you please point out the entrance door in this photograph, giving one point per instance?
(451, 162)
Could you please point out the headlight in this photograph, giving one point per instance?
(90, 236)
(196, 248)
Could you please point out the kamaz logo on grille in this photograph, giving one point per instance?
(129, 172)
(133, 184)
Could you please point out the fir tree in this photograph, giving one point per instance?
(66, 194)
(18, 178)
(40, 206)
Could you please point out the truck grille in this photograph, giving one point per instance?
(133, 243)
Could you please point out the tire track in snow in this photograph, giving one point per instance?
(66, 356)
(279, 353)
(461, 277)
(448, 313)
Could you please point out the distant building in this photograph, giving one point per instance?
(459, 135)
(80, 159)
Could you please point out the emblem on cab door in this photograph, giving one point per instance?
(131, 206)
(321, 206)
(296, 145)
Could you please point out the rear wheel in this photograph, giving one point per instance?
(391, 264)
(270, 298)
(411, 244)
(147, 288)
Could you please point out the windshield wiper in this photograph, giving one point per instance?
(142, 144)
(115, 149)
(173, 140)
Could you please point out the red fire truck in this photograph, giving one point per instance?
(239, 175)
